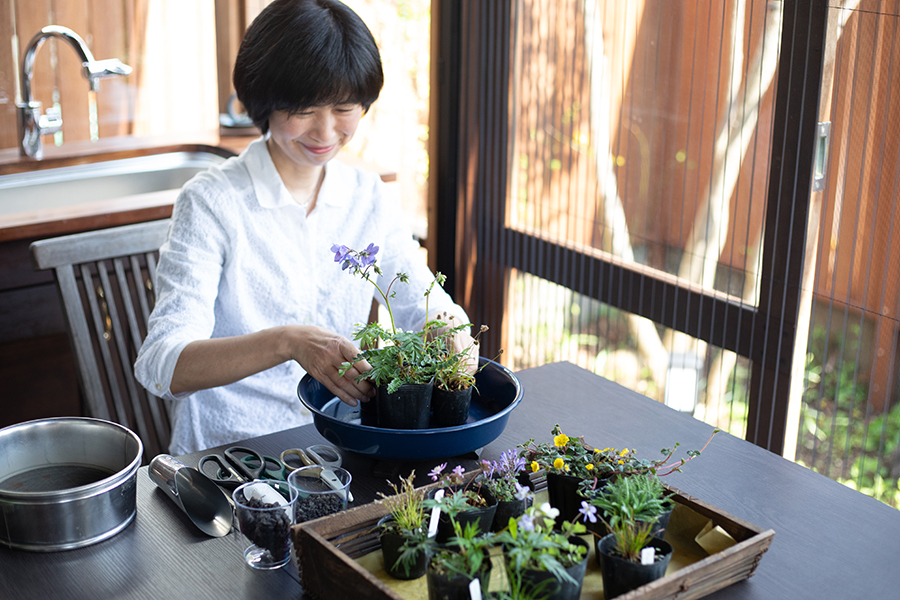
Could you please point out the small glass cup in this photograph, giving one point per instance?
(320, 491)
(265, 513)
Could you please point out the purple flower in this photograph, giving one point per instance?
(489, 467)
(459, 471)
(588, 512)
(367, 256)
(340, 252)
(526, 523)
(435, 473)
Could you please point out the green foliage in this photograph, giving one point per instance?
(451, 368)
(632, 536)
(531, 542)
(408, 520)
(396, 356)
(574, 457)
(501, 476)
(461, 494)
(564, 456)
(840, 436)
(641, 497)
(406, 504)
(466, 554)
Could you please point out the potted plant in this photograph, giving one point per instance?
(502, 478)
(454, 379)
(610, 463)
(460, 500)
(404, 532)
(644, 495)
(629, 556)
(567, 462)
(542, 560)
(454, 568)
(402, 370)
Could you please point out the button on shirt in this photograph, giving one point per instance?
(242, 256)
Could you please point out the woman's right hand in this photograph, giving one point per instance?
(322, 353)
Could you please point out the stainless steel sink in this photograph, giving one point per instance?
(105, 180)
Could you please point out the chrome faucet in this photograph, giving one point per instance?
(31, 122)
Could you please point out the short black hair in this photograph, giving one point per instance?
(299, 54)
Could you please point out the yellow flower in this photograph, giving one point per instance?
(623, 452)
(621, 462)
(606, 449)
(535, 467)
(567, 468)
(589, 466)
(559, 463)
(560, 440)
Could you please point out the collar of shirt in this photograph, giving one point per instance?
(270, 189)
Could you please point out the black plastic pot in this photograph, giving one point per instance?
(506, 510)
(620, 576)
(564, 496)
(450, 408)
(456, 587)
(545, 585)
(368, 412)
(407, 408)
(483, 517)
(391, 544)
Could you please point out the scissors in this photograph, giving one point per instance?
(317, 454)
(237, 465)
(321, 455)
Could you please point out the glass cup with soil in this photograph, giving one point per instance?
(320, 491)
(265, 513)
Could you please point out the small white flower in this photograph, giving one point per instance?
(549, 511)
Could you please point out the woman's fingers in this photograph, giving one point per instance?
(323, 353)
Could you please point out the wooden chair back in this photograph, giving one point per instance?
(107, 282)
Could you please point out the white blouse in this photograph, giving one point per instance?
(242, 256)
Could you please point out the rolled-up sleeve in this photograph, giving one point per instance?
(188, 274)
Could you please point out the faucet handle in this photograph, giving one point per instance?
(50, 121)
(96, 70)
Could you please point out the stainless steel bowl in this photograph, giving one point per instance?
(66, 482)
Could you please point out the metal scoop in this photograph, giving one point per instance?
(202, 501)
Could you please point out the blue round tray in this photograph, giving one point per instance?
(498, 393)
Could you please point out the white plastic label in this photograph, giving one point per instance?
(475, 589)
(648, 555)
(264, 493)
(435, 515)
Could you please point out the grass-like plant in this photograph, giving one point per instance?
(632, 536)
(406, 505)
(407, 520)
(641, 497)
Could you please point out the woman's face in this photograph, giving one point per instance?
(314, 136)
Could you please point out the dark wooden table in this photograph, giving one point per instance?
(830, 541)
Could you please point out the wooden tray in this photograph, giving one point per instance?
(328, 548)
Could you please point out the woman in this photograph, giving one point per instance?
(249, 297)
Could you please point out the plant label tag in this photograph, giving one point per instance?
(435, 515)
(475, 589)
(648, 555)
